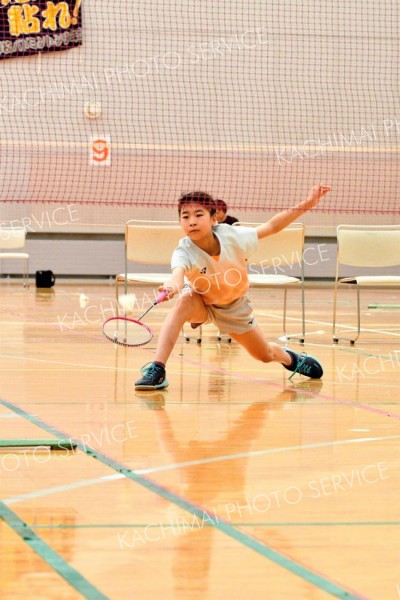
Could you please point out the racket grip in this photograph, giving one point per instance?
(161, 296)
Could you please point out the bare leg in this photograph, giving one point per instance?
(257, 346)
(189, 308)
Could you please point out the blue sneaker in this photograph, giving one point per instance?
(303, 364)
(154, 377)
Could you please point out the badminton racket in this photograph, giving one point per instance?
(130, 332)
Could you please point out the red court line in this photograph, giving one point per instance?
(333, 399)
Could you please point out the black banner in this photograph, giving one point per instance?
(32, 26)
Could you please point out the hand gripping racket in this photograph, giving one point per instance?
(130, 332)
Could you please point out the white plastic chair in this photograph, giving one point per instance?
(12, 244)
(150, 243)
(370, 246)
(283, 249)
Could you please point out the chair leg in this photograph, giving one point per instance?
(358, 317)
(126, 276)
(284, 312)
(303, 314)
(199, 335)
(336, 338)
(117, 294)
(303, 319)
(219, 338)
(26, 274)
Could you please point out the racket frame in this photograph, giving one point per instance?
(137, 322)
(161, 296)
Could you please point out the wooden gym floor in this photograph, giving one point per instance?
(234, 483)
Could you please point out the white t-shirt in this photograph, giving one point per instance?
(223, 279)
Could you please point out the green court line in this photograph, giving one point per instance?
(305, 573)
(385, 306)
(30, 443)
(54, 560)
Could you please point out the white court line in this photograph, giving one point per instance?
(62, 488)
(12, 416)
(262, 453)
(61, 362)
(191, 463)
(41, 323)
(338, 325)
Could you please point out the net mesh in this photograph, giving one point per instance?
(251, 101)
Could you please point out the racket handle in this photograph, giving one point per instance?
(161, 296)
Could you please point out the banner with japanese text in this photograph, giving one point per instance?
(32, 26)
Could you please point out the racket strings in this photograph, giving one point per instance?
(127, 332)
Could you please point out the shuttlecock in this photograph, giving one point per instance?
(83, 300)
(127, 302)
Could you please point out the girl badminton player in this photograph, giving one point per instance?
(212, 258)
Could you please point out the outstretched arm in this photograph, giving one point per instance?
(283, 219)
(174, 283)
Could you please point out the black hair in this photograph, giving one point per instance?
(201, 198)
(221, 205)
